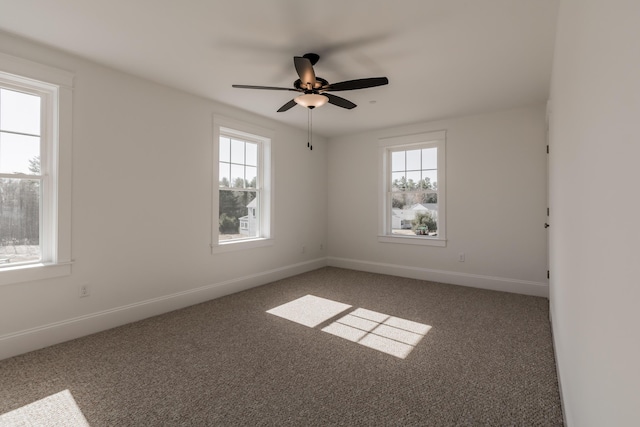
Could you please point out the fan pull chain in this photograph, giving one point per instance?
(309, 130)
(308, 126)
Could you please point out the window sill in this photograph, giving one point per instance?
(31, 272)
(240, 245)
(410, 240)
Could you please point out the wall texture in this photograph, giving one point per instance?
(594, 175)
(141, 208)
(496, 204)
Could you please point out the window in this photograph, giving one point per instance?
(35, 141)
(412, 189)
(243, 191)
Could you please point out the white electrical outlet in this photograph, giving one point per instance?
(84, 291)
(461, 257)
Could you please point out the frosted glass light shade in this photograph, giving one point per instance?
(311, 100)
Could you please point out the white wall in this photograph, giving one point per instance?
(594, 239)
(141, 213)
(496, 204)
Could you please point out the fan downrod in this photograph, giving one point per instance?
(313, 57)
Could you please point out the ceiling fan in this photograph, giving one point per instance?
(315, 90)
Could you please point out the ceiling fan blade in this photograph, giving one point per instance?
(264, 87)
(287, 106)
(357, 84)
(305, 71)
(340, 102)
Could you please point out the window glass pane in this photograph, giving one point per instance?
(430, 158)
(425, 222)
(426, 198)
(402, 214)
(430, 179)
(400, 201)
(411, 218)
(225, 174)
(413, 159)
(225, 149)
(397, 161)
(251, 176)
(19, 112)
(413, 180)
(238, 215)
(19, 220)
(252, 154)
(398, 181)
(19, 154)
(237, 151)
(237, 176)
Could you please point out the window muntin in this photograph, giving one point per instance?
(412, 189)
(22, 177)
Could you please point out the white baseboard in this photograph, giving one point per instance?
(555, 354)
(27, 340)
(517, 286)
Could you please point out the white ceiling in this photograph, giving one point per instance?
(443, 58)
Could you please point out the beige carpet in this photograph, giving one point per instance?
(329, 347)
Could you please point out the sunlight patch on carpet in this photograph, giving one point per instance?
(379, 331)
(388, 334)
(59, 409)
(309, 310)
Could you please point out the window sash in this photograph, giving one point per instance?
(258, 222)
(245, 139)
(25, 247)
(47, 94)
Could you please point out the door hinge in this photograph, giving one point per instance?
(547, 211)
(547, 148)
(547, 274)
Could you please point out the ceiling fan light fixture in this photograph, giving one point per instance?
(311, 100)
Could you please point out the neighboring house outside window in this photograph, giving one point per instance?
(412, 189)
(35, 175)
(243, 201)
(249, 222)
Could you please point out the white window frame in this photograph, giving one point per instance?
(264, 137)
(385, 147)
(55, 87)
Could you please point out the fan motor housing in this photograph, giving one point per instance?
(320, 82)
